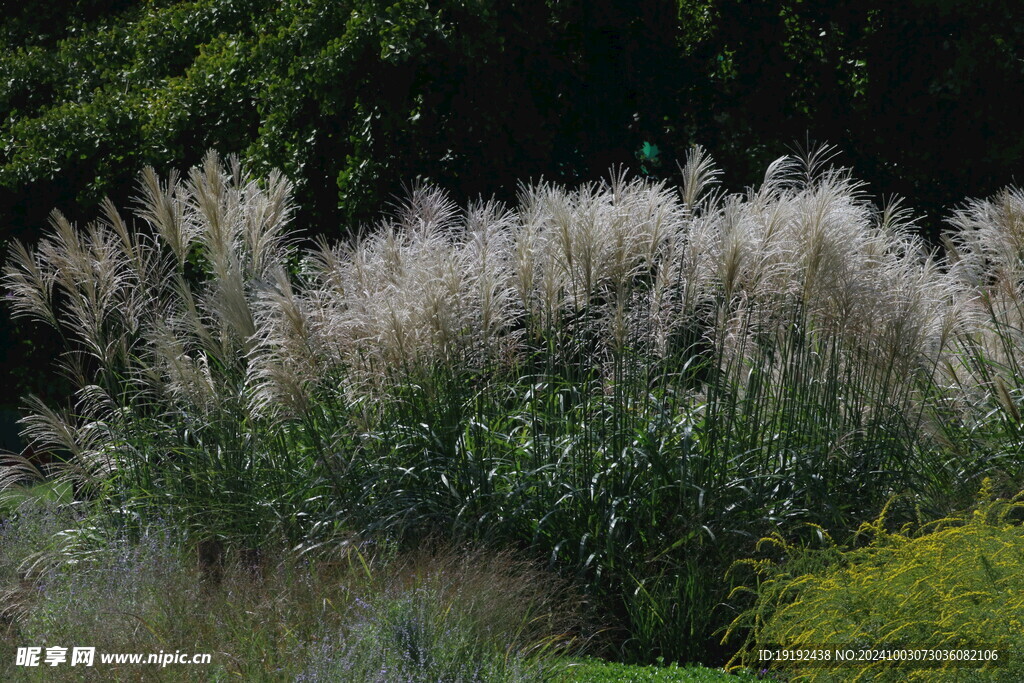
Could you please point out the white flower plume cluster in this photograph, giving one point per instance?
(205, 298)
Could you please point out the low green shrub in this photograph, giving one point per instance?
(952, 584)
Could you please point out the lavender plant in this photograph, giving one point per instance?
(350, 614)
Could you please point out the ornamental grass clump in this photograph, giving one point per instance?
(952, 584)
(634, 381)
(159, 317)
(986, 376)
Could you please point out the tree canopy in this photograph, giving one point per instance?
(354, 98)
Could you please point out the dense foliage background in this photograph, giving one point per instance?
(353, 99)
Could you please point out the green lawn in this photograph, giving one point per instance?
(599, 671)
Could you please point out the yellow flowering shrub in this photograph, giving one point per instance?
(948, 590)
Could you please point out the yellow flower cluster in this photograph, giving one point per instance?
(946, 595)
